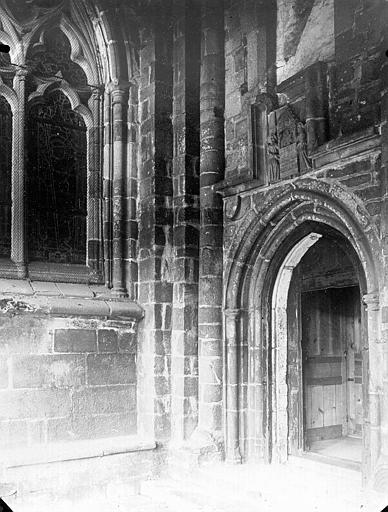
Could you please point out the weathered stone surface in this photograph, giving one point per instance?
(52, 371)
(39, 403)
(128, 342)
(107, 340)
(105, 400)
(111, 369)
(75, 340)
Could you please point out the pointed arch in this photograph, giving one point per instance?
(263, 230)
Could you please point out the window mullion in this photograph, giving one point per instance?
(18, 237)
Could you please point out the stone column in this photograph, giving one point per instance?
(155, 220)
(211, 171)
(131, 190)
(232, 325)
(18, 246)
(184, 340)
(316, 105)
(372, 402)
(119, 120)
(94, 185)
(107, 189)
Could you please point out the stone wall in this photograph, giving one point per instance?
(249, 71)
(65, 380)
(324, 166)
(68, 379)
(354, 77)
(305, 35)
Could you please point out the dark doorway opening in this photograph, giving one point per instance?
(332, 372)
(324, 356)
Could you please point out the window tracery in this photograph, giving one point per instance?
(62, 195)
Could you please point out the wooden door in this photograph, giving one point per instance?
(332, 380)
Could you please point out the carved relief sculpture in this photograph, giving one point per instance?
(301, 146)
(273, 158)
(286, 122)
(287, 154)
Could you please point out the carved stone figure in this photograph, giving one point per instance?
(301, 146)
(273, 158)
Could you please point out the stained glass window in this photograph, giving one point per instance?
(5, 177)
(56, 182)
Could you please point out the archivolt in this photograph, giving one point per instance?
(264, 231)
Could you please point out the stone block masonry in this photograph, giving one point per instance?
(155, 253)
(66, 380)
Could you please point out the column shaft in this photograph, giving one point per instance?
(232, 386)
(131, 190)
(212, 96)
(119, 114)
(94, 253)
(107, 189)
(184, 341)
(18, 249)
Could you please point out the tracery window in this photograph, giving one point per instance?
(50, 164)
(56, 181)
(5, 177)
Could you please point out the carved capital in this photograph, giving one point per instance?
(118, 87)
(97, 93)
(21, 73)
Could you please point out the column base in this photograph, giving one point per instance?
(119, 293)
(209, 446)
(202, 448)
(233, 456)
(21, 269)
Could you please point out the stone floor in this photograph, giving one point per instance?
(301, 485)
(346, 448)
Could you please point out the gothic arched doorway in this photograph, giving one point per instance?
(264, 264)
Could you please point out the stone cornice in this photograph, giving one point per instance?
(62, 299)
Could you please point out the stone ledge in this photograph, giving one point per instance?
(56, 299)
(49, 288)
(74, 450)
(65, 306)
